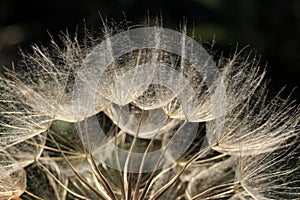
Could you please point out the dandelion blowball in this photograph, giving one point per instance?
(146, 113)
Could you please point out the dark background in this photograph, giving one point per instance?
(271, 28)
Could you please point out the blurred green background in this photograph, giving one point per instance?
(271, 28)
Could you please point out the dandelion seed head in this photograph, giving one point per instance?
(144, 113)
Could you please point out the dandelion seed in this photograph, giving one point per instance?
(12, 179)
(273, 175)
(253, 123)
(214, 182)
